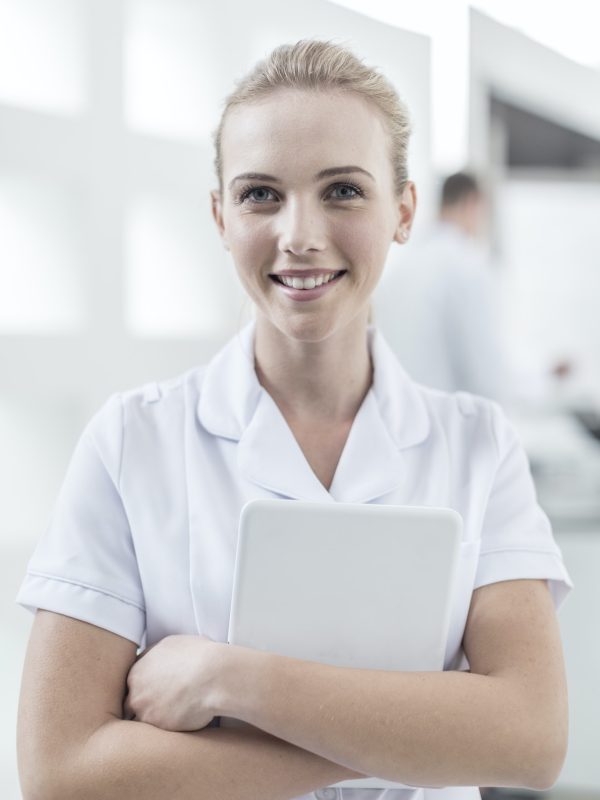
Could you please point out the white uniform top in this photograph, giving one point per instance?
(438, 306)
(142, 538)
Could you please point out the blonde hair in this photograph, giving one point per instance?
(323, 65)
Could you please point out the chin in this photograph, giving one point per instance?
(318, 327)
(306, 328)
(315, 332)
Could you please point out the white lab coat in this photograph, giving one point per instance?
(142, 538)
(438, 306)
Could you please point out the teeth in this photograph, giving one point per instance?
(306, 283)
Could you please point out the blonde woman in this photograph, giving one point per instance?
(307, 403)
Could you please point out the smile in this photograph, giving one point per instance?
(307, 283)
(307, 288)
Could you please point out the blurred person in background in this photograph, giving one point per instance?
(438, 307)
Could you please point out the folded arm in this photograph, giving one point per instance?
(73, 743)
(504, 723)
(133, 759)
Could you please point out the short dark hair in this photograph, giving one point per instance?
(458, 186)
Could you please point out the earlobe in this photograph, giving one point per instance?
(402, 235)
(407, 209)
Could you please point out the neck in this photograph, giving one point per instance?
(324, 381)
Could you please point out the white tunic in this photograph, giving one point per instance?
(142, 538)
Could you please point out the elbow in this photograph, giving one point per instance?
(28, 790)
(547, 754)
(548, 772)
(36, 782)
(36, 788)
(47, 778)
(40, 787)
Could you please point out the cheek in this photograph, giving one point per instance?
(363, 240)
(253, 256)
(249, 243)
(252, 253)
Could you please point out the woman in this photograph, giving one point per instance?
(309, 403)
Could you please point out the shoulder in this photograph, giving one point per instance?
(460, 405)
(149, 407)
(467, 420)
(160, 396)
(419, 414)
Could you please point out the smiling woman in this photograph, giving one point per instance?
(333, 212)
(308, 403)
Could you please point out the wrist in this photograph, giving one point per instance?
(242, 673)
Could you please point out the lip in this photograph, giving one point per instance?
(304, 273)
(306, 294)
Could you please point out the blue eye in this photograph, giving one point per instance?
(355, 189)
(248, 191)
(251, 193)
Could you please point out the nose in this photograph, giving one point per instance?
(302, 226)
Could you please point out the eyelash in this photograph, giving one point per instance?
(247, 190)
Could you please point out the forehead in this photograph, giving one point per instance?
(292, 130)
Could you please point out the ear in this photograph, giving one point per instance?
(217, 212)
(406, 213)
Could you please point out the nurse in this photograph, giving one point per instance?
(308, 402)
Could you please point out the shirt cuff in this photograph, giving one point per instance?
(507, 565)
(86, 603)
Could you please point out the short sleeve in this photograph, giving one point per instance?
(84, 565)
(516, 539)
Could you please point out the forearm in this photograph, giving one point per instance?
(419, 728)
(128, 759)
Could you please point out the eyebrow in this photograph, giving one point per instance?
(324, 173)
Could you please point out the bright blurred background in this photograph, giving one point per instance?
(112, 274)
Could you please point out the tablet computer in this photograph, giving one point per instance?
(352, 585)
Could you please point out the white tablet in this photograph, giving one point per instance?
(352, 585)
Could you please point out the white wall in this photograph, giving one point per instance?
(551, 258)
(531, 76)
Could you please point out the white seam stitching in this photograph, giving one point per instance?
(518, 550)
(86, 586)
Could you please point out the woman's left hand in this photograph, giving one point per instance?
(174, 684)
